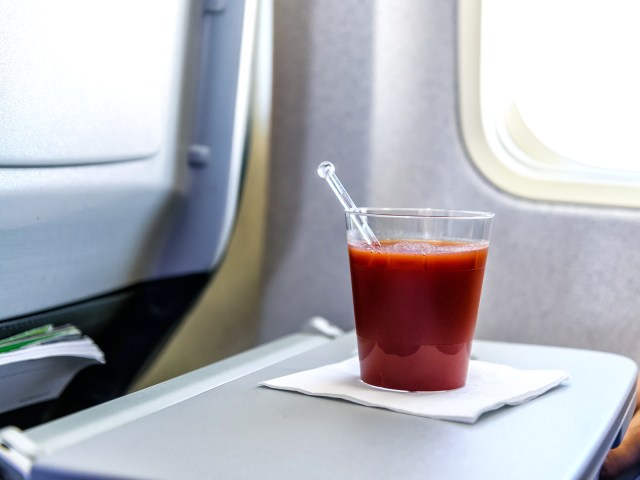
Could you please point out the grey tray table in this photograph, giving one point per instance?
(218, 423)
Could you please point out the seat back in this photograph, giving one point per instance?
(124, 134)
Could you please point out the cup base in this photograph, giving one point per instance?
(421, 368)
(408, 391)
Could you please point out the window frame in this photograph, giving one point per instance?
(501, 158)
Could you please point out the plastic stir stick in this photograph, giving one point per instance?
(327, 171)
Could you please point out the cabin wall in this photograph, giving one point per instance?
(372, 87)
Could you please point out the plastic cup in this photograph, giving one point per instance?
(416, 295)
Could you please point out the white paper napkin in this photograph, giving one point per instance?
(489, 387)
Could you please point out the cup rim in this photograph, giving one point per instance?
(435, 213)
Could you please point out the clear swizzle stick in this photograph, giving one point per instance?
(327, 171)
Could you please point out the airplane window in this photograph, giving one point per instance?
(550, 97)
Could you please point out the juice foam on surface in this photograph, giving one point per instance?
(421, 247)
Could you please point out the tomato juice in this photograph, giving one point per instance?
(415, 304)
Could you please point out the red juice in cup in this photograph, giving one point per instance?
(416, 301)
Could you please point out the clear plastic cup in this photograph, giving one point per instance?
(416, 294)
